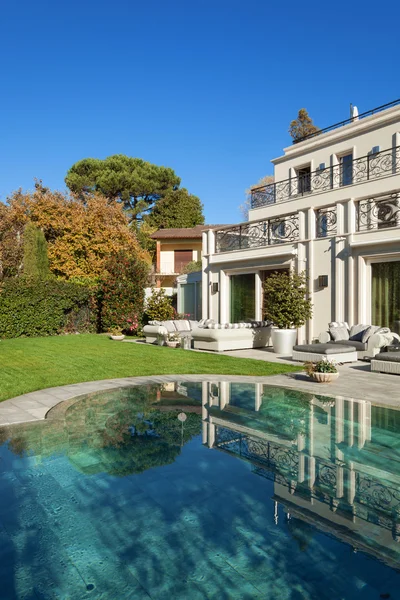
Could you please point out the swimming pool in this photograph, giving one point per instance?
(254, 492)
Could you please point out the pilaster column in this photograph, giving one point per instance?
(258, 306)
(223, 297)
(311, 229)
(204, 277)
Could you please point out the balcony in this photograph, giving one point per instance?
(381, 212)
(267, 232)
(361, 170)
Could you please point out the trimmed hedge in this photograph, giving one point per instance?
(32, 307)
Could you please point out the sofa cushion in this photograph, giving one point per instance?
(339, 333)
(368, 332)
(193, 324)
(357, 332)
(359, 346)
(169, 326)
(182, 325)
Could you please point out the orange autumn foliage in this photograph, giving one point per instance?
(81, 235)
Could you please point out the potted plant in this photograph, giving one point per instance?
(287, 307)
(323, 371)
(116, 334)
(173, 340)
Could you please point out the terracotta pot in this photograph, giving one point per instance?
(117, 338)
(325, 377)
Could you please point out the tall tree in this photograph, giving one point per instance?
(137, 184)
(177, 208)
(36, 261)
(80, 235)
(302, 126)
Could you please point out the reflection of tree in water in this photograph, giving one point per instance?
(141, 443)
(286, 411)
(118, 432)
(300, 531)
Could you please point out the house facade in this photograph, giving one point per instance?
(175, 248)
(333, 211)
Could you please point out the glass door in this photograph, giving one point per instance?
(243, 297)
(385, 295)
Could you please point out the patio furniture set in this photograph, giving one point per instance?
(340, 343)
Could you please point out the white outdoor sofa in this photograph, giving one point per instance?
(208, 335)
(368, 340)
(232, 336)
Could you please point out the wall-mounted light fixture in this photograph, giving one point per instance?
(323, 281)
(214, 287)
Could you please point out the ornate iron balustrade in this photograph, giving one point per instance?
(267, 232)
(366, 168)
(326, 219)
(281, 458)
(377, 495)
(378, 213)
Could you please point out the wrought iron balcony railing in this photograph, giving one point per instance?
(381, 212)
(360, 170)
(267, 232)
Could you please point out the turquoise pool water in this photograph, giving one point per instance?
(260, 493)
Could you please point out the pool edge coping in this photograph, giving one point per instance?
(35, 406)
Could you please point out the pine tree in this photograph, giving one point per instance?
(302, 127)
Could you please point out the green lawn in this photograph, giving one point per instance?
(31, 364)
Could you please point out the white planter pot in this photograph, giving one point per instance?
(283, 340)
(325, 377)
(117, 338)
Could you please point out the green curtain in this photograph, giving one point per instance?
(386, 295)
(243, 297)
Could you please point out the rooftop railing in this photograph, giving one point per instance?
(360, 170)
(367, 113)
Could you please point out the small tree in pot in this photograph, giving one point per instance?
(286, 306)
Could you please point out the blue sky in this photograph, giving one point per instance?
(205, 87)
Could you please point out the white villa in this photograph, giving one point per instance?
(333, 212)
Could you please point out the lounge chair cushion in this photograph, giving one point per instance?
(388, 356)
(329, 348)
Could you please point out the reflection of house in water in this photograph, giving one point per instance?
(334, 463)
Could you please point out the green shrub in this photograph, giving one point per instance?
(159, 306)
(121, 294)
(41, 307)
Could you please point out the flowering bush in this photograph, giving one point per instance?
(173, 337)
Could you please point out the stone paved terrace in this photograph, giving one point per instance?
(355, 381)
